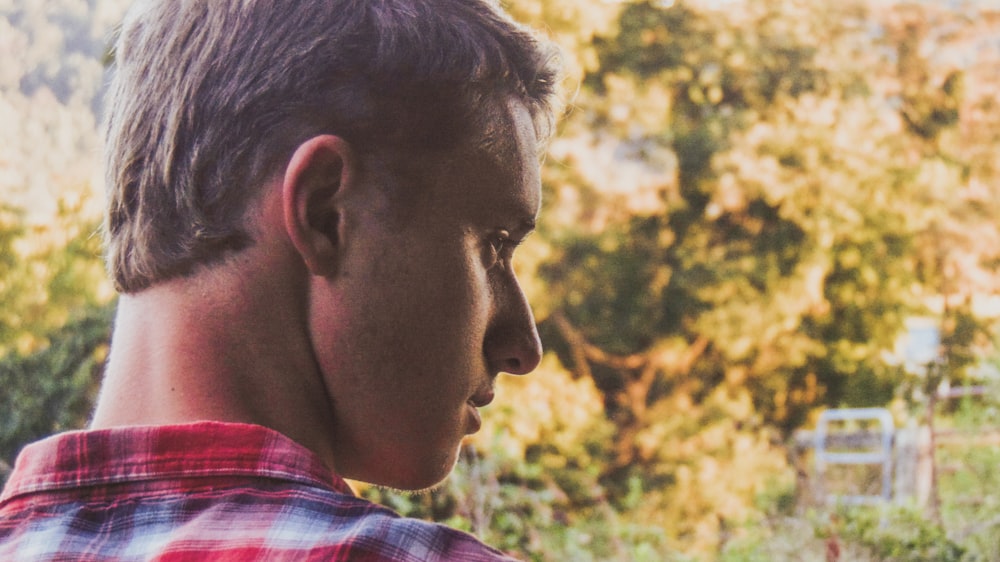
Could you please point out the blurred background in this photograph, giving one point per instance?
(755, 212)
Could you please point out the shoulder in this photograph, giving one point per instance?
(325, 525)
(283, 522)
(382, 534)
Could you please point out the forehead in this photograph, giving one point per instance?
(512, 186)
(494, 179)
(510, 151)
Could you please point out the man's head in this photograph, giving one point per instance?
(416, 318)
(357, 173)
(211, 98)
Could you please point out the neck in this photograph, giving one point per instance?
(211, 349)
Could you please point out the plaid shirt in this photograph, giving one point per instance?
(203, 491)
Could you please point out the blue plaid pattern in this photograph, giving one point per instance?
(202, 491)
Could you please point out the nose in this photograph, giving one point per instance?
(512, 344)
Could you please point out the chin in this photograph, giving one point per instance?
(421, 491)
(417, 486)
(421, 477)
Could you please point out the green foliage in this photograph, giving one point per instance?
(789, 187)
(763, 276)
(628, 297)
(704, 470)
(970, 507)
(47, 271)
(54, 327)
(13, 281)
(533, 483)
(901, 535)
(857, 534)
(53, 389)
(528, 484)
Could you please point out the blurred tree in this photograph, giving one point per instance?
(47, 272)
(947, 108)
(761, 244)
(54, 326)
(54, 388)
(738, 208)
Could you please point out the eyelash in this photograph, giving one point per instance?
(502, 247)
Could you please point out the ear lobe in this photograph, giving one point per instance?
(315, 176)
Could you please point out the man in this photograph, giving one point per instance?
(312, 212)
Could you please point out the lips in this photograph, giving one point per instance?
(482, 398)
(478, 400)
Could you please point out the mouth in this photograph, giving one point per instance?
(482, 398)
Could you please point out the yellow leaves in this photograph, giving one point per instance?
(695, 94)
(628, 184)
(807, 395)
(714, 94)
(648, 37)
(530, 254)
(748, 321)
(546, 407)
(572, 24)
(55, 268)
(682, 74)
(640, 106)
(720, 464)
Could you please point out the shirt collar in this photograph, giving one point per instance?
(145, 453)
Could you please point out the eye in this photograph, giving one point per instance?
(500, 248)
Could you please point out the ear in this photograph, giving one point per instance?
(317, 173)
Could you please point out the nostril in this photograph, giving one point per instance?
(513, 358)
(523, 357)
(513, 347)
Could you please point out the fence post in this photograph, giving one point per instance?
(925, 466)
(907, 461)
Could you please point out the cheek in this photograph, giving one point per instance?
(428, 315)
(454, 293)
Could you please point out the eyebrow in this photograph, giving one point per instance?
(525, 227)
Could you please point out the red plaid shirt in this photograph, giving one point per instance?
(203, 491)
